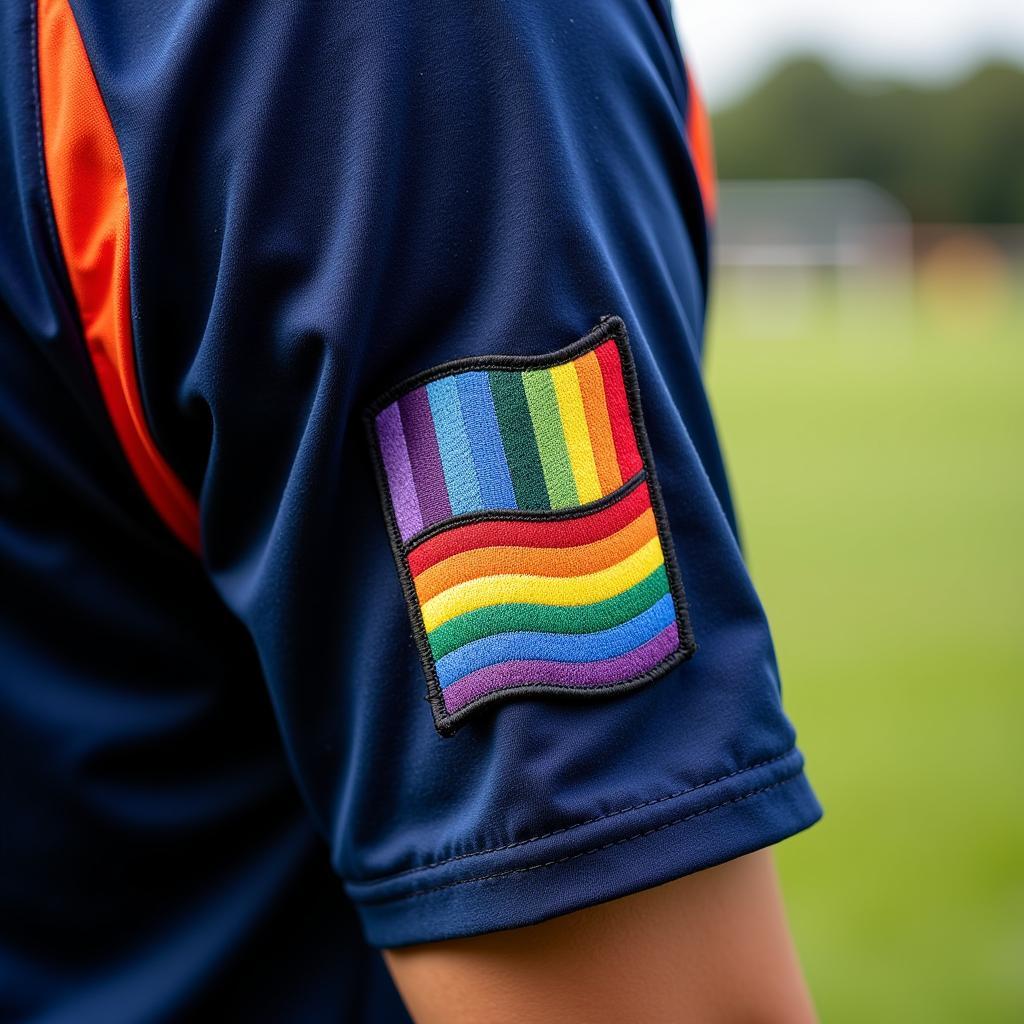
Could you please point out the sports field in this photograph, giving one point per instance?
(880, 485)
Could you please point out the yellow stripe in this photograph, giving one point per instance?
(560, 590)
(577, 436)
(536, 561)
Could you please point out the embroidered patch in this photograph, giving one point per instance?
(528, 527)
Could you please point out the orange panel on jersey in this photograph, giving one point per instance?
(89, 193)
(698, 129)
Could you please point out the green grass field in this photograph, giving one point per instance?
(880, 486)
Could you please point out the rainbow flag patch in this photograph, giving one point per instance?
(528, 528)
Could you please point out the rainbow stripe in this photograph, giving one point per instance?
(576, 602)
(555, 437)
(560, 581)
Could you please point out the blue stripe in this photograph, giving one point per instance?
(608, 643)
(485, 440)
(456, 457)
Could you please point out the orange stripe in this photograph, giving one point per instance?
(588, 369)
(499, 561)
(89, 194)
(702, 151)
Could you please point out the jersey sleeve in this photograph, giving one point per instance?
(417, 299)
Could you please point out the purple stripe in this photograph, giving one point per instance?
(396, 463)
(510, 674)
(424, 456)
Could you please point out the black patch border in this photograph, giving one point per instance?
(610, 328)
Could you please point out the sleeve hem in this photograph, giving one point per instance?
(604, 859)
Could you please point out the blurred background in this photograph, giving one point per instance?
(866, 363)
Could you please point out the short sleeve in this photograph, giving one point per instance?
(418, 298)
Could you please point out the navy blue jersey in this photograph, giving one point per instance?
(369, 573)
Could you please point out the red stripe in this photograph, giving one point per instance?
(531, 533)
(89, 195)
(618, 410)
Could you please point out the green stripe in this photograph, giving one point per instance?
(541, 618)
(518, 438)
(547, 425)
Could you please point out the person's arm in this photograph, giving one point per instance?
(416, 308)
(711, 947)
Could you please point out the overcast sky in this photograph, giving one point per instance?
(732, 42)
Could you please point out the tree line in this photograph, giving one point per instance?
(949, 153)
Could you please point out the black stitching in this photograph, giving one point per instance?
(604, 331)
(527, 515)
(379, 879)
(583, 853)
(610, 328)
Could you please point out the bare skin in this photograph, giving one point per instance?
(711, 948)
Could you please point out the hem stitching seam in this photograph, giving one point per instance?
(575, 825)
(596, 849)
